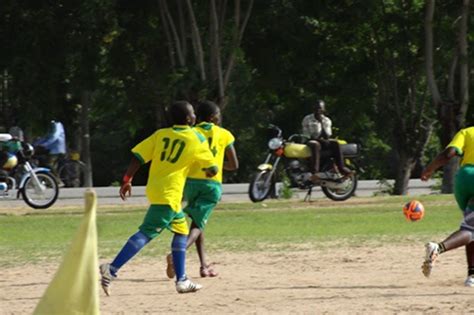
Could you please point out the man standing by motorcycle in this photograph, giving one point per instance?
(318, 127)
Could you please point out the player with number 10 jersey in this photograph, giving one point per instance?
(171, 152)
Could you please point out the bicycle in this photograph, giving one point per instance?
(69, 169)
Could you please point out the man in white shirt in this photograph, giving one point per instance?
(318, 128)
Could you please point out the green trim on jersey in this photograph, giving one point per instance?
(200, 136)
(458, 151)
(139, 157)
(205, 125)
(180, 127)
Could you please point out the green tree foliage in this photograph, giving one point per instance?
(262, 61)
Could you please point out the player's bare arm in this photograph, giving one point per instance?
(232, 162)
(440, 160)
(126, 187)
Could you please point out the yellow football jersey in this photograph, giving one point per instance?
(463, 142)
(219, 139)
(171, 152)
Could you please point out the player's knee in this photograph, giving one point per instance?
(468, 223)
(179, 242)
(139, 239)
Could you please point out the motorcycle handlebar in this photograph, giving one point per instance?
(274, 127)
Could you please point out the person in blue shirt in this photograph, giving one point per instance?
(54, 142)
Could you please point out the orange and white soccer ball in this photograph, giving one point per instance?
(414, 210)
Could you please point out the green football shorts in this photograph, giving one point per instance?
(201, 196)
(464, 186)
(160, 217)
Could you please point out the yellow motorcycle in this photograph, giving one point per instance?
(295, 155)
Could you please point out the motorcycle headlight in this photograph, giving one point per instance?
(275, 143)
(28, 150)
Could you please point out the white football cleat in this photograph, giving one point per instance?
(431, 254)
(187, 286)
(106, 278)
(469, 281)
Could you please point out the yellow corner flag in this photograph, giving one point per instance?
(74, 288)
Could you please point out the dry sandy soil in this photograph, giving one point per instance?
(328, 280)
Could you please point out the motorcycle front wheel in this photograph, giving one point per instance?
(260, 186)
(41, 194)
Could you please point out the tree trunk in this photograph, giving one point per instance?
(86, 155)
(174, 34)
(451, 76)
(196, 40)
(239, 29)
(406, 164)
(463, 66)
(169, 41)
(452, 112)
(457, 111)
(449, 171)
(216, 53)
(433, 87)
(182, 28)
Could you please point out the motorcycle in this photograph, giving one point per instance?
(295, 155)
(36, 185)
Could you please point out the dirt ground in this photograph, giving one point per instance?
(327, 280)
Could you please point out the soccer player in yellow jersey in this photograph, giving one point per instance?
(171, 152)
(461, 145)
(201, 193)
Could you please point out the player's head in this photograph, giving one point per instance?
(208, 111)
(182, 113)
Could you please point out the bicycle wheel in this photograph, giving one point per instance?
(72, 173)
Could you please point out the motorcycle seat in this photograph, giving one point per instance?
(350, 149)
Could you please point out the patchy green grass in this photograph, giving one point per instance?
(274, 225)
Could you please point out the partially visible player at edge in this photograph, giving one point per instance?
(202, 194)
(461, 145)
(171, 152)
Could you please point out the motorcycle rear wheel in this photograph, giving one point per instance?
(341, 195)
(261, 186)
(46, 198)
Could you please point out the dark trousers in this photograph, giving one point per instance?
(334, 149)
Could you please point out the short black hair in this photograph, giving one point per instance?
(178, 112)
(205, 110)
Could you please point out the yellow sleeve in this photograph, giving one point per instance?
(458, 142)
(230, 138)
(145, 149)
